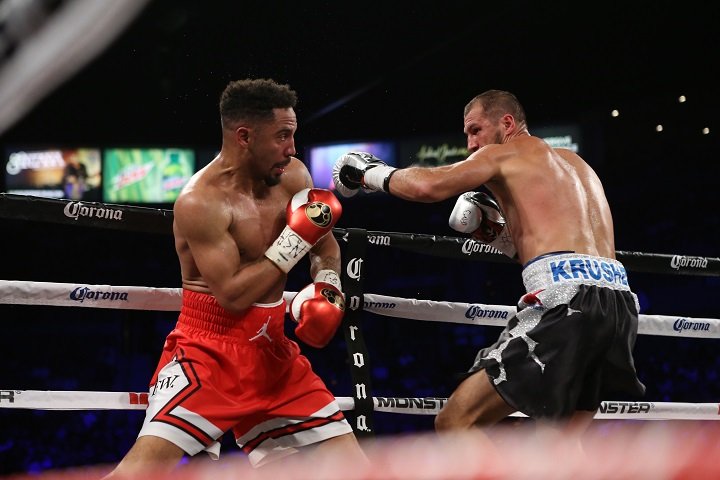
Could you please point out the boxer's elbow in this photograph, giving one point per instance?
(233, 302)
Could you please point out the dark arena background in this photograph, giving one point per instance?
(627, 86)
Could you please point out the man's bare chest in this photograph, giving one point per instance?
(255, 225)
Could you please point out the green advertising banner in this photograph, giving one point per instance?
(146, 175)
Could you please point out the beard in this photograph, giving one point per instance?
(272, 180)
(499, 137)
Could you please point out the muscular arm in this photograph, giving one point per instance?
(203, 223)
(434, 184)
(325, 255)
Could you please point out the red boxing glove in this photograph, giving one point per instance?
(311, 213)
(318, 309)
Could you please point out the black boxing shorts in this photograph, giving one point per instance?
(570, 344)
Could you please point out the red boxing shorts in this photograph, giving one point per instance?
(220, 371)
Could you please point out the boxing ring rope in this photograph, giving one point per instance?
(88, 400)
(155, 220)
(170, 299)
(151, 220)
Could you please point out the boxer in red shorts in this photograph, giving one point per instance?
(240, 224)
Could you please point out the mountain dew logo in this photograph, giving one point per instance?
(131, 174)
(153, 175)
(175, 175)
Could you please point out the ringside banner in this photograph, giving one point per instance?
(89, 214)
(155, 220)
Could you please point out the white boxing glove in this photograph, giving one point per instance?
(356, 170)
(480, 216)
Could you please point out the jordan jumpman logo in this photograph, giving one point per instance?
(263, 331)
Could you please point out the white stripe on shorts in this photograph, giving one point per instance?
(272, 449)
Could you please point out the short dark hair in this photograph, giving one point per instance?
(497, 103)
(254, 100)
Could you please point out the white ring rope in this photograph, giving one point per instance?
(86, 400)
(93, 296)
(170, 299)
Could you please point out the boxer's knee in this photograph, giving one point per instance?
(475, 403)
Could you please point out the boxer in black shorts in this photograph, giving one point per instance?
(573, 340)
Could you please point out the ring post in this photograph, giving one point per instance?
(352, 280)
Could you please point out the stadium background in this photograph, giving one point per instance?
(370, 72)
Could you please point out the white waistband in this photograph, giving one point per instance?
(572, 268)
(268, 305)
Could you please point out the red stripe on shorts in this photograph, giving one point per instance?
(292, 429)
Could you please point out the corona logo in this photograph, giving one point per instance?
(354, 268)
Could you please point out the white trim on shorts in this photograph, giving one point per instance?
(272, 449)
(268, 305)
(181, 438)
(159, 397)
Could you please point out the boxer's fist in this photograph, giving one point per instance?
(318, 309)
(311, 214)
(356, 170)
(466, 214)
(479, 215)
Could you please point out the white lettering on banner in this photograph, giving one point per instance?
(37, 192)
(362, 424)
(360, 390)
(428, 403)
(562, 141)
(471, 246)
(354, 268)
(354, 302)
(692, 262)
(379, 240)
(77, 209)
(440, 152)
(352, 332)
(19, 161)
(358, 360)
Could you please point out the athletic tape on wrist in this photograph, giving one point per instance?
(328, 276)
(386, 182)
(376, 177)
(287, 250)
